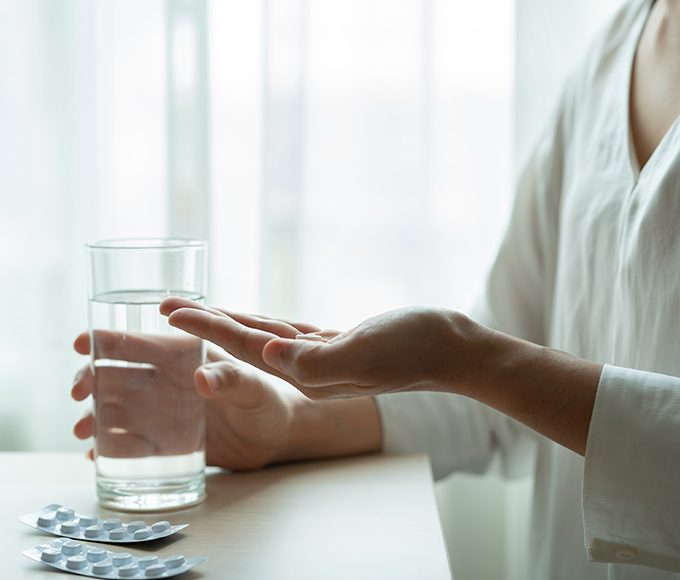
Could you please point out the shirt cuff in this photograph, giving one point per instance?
(631, 480)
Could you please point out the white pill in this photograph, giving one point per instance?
(155, 570)
(313, 336)
(64, 513)
(76, 563)
(70, 527)
(102, 568)
(134, 526)
(122, 559)
(50, 555)
(142, 534)
(70, 548)
(128, 570)
(147, 561)
(118, 534)
(112, 524)
(159, 527)
(93, 531)
(96, 555)
(46, 521)
(175, 561)
(87, 521)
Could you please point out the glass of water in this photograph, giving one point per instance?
(149, 447)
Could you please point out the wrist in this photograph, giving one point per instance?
(548, 390)
(307, 430)
(508, 363)
(473, 353)
(481, 362)
(331, 428)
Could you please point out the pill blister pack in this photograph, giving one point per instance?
(63, 521)
(78, 558)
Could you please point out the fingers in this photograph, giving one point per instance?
(116, 442)
(131, 383)
(84, 428)
(169, 305)
(276, 327)
(290, 329)
(243, 335)
(83, 384)
(133, 430)
(82, 343)
(240, 341)
(125, 444)
(281, 328)
(120, 380)
(143, 348)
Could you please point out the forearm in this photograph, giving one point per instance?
(550, 391)
(332, 428)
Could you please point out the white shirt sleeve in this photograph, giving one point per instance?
(459, 433)
(631, 497)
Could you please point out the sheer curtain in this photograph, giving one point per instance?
(355, 140)
(82, 156)
(343, 158)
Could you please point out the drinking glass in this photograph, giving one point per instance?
(149, 449)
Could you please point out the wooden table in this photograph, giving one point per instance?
(370, 517)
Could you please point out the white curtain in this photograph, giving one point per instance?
(355, 146)
(342, 157)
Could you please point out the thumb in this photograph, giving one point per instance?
(230, 379)
(307, 362)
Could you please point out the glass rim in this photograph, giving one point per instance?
(170, 243)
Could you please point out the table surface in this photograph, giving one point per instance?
(364, 517)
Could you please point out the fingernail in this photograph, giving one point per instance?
(213, 380)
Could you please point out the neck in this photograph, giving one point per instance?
(666, 15)
(670, 11)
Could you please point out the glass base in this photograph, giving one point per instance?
(150, 495)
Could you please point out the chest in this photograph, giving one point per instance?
(654, 89)
(617, 292)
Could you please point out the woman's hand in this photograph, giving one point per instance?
(407, 349)
(411, 349)
(248, 418)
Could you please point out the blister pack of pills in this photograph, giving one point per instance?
(78, 558)
(63, 521)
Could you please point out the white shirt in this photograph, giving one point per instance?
(590, 264)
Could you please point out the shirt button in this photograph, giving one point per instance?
(626, 554)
